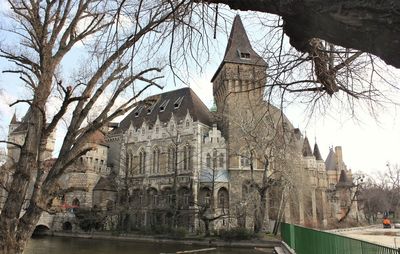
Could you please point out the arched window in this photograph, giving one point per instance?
(156, 160)
(129, 162)
(187, 157)
(134, 199)
(152, 197)
(75, 202)
(205, 196)
(171, 159)
(245, 192)
(142, 161)
(223, 198)
(183, 197)
(221, 160)
(208, 160)
(245, 161)
(215, 155)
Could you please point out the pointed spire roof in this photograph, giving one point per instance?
(238, 43)
(317, 153)
(344, 181)
(239, 49)
(14, 119)
(306, 148)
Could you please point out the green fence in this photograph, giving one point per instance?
(310, 241)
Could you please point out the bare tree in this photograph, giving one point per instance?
(47, 32)
(351, 190)
(265, 146)
(380, 193)
(209, 209)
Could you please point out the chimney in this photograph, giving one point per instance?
(339, 157)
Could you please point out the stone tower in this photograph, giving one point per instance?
(240, 78)
(238, 84)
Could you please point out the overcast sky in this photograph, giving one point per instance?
(367, 143)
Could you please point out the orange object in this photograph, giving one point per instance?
(386, 222)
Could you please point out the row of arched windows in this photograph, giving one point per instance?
(217, 160)
(137, 163)
(154, 198)
(222, 197)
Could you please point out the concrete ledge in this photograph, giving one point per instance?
(285, 249)
(268, 244)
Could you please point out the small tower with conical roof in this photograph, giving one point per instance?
(241, 77)
(318, 158)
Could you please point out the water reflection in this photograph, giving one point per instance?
(63, 245)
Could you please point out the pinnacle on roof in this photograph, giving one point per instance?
(317, 153)
(306, 148)
(14, 119)
(239, 49)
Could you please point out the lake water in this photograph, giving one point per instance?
(66, 245)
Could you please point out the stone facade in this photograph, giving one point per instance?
(172, 161)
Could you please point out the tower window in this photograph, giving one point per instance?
(243, 55)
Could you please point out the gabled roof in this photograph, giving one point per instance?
(317, 153)
(330, 162)
(238, 43)
(306, 148)
(178, 102)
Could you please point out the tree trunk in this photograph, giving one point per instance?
(207, 227)
(261, 211)
(373, 25)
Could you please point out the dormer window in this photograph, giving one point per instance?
(150, 109)
(178, 102)
(137, 113)
(243, 55)
(163, 105)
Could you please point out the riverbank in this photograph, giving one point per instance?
(209, 242)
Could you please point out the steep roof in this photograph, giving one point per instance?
(105, 184)
(239, 49)
(306, 148)
(330, 162)
(344, 181)
(162, 106)
(317, 153)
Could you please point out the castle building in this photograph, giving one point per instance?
(172, 161)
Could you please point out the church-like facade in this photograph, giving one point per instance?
(172, 161)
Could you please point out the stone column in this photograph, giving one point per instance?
(314, 207)
(324, 207)
(288, 217)
(301, 209)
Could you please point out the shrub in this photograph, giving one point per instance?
(179, 232)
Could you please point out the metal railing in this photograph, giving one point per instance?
(309, 241)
